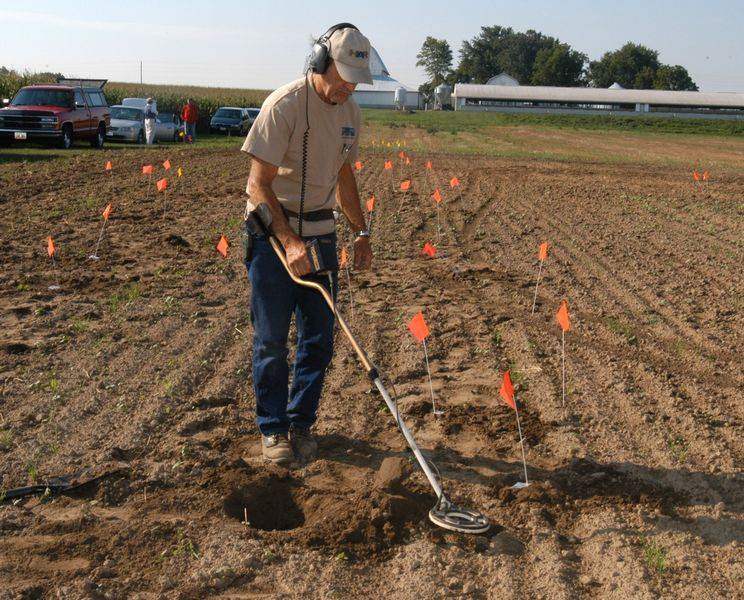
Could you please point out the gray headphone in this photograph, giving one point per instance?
(319, 59)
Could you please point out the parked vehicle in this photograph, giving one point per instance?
(168, 126)
(230, 121)
(60, 113)
(128, 125)
(252, 114)
(139, 103)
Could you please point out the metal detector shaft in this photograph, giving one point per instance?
(366, 363)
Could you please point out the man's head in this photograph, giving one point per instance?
(348, 53)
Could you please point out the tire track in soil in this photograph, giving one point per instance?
(631, 305)
(661, 358)
(629, 244)
(644, 382)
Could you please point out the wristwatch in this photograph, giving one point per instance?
(361, 233)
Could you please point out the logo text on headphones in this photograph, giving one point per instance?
(358, 53)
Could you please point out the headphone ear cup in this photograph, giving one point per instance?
(320, 58)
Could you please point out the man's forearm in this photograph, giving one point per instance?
(347, 196)
(279, 223)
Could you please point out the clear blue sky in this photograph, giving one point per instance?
(263, 44)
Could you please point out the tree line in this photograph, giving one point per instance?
(534, 58)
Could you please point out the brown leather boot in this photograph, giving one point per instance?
(276, 448)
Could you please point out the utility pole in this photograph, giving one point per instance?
(140, 72)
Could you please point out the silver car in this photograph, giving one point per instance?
(168, 126)
(128, 125)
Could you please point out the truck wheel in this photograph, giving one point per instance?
(141, 137)
(100, 138)
(65, 141)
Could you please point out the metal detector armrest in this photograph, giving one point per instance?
(258, 222)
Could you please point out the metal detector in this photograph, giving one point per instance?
(444, 513)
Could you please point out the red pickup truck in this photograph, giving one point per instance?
(63, 112)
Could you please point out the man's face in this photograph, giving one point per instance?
(337, 91)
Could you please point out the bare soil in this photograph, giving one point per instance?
(138, 372)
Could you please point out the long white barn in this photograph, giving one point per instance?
(616, 101)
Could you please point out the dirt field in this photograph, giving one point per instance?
(138, 371)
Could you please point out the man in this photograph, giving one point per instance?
(317, 107)
(150, 115)
(189, 116)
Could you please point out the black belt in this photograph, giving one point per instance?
(325, 214)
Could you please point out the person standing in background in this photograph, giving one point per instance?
(150, 115)
(189, 116)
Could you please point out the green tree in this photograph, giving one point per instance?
(675, 77)
(632, 66)
(558, 66)
(528, 56)
(436, 59)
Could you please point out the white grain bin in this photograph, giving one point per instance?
(442, 95)
(400, 97)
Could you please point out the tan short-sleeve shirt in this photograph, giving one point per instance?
(276, 137)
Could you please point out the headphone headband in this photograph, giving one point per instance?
(334, 29)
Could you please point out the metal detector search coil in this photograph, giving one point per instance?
(444, 514)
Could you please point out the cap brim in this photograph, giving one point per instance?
(353, 74)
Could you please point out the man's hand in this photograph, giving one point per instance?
(362, 253)
(294, 248)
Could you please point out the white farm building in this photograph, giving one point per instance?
(617, 101)
(382, 92)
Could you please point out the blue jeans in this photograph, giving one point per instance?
(190, 130)
(274, 299)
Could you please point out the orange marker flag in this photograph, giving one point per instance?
(344, 257)
(563, 321)
(507, 391)
(418, 327)
(166, 164)
(405, 185)
(162, 184)
(50, 247)
(542, 255)
(388, 165)
(147, 169)
(429, 250)
(401, 155)
(507, 394)
(107, 212)
(437, 195)
(358, 165)
(428, 164)
(109, 166)
(695, 176)
(562, 317)
(222, 246)
(705, 175)
(371, 204)
(543, 251)
(408, 161)
(454, 182)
